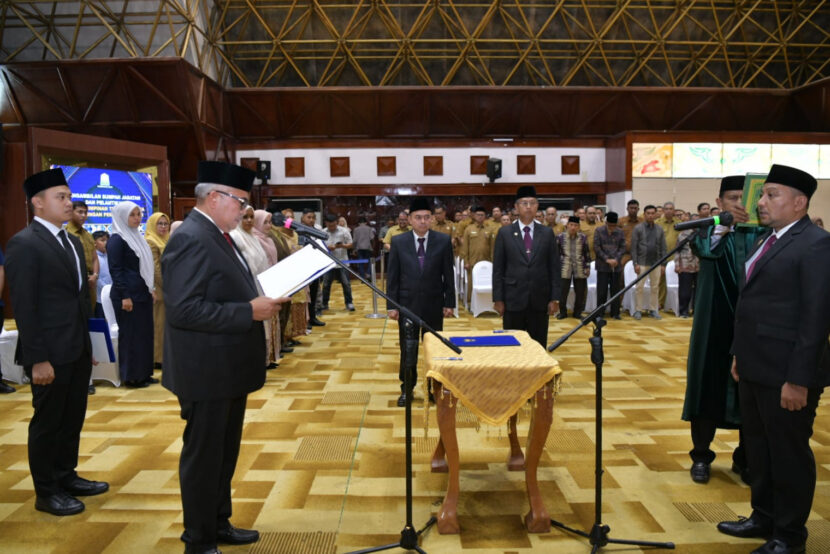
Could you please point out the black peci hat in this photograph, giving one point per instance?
(223, 173)
(419, 203)
(526, 191)
(41, 181)
(612, 217)
(792, 177)
(573, 219)
(731, 182)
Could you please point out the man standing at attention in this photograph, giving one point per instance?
(363, 237)
(627, 224)
(609, 245)
(648, 245)
(782, 361)
(477, 244)
(552, 221)
(214, 350)
(75, 225)
(711, 394)
(49, 289)
(420, 278)
(526, 276)
(667, 221)
(588, 227)
(339, 243)
(576, 266)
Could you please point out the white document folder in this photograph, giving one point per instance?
(294, 272)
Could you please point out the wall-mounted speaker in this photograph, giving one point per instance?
(263, 170)
(493, 169)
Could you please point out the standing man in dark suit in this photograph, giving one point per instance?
(526, 271)
(782, 361)
(214, 350)
(50, 293)
(420, 277)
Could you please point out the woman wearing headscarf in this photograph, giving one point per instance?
(157, 234)
(257, 260)
(132, 271)
(299, 300)
(259, 230)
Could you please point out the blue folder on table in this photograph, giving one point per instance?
(486, 340)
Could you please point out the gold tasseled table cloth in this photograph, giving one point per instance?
(492, 381)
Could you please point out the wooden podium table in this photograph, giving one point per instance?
(493, 382)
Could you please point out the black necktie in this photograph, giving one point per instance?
(70, 252)
(421, 252)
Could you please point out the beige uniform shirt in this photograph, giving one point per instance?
(478, 244)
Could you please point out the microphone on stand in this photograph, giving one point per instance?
(725, 219)
(281, 221)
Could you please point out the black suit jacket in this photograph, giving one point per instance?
(51, 312)
(425, 292)
(127, 281)
(782, 319)
(212, 346)
(522, 283)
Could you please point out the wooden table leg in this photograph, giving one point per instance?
(516, 460)
(438, 464)
(537, 519)
(445, 406)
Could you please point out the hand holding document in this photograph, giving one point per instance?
(294, 272)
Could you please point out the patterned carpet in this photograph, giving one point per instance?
(322, 463)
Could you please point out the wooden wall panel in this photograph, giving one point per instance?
(433, 165)
(339, 166)
(526, 165)
(478, 165)
(387, 166)
(295, 167)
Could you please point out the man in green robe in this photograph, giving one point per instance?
(711, 393)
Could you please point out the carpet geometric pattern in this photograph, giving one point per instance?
(321, 468)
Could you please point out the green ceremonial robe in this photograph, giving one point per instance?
(711, 393)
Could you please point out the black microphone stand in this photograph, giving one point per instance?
(598, 536)
(411, 323)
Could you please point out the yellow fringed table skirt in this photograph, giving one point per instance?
(492, 381)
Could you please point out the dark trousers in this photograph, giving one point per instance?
(212, 436)
(533, 321)
(685, 286)
(703, 433)
(135, 341)
(313, 289)
(580, 295)
(606, 279)
(364, 269)
(412, 363)
(55, 427)
(783, 470)
(343, 276)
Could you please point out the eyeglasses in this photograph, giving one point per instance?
(527, 203)
(242, 201)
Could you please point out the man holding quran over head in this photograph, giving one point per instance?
(782, 361)
(214, 350)
(711, 394)
(526, 271)
(420, 277)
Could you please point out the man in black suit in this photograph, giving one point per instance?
(50, 293)
(526, 271)
(214, 350)
(782, 361)
(420, 278)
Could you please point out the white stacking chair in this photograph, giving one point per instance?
(628, 302)
(11, 371)
(482, 294)
(458, 271)
(591, 300)
(106, 368)
(672, 289)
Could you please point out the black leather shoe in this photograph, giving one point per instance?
(234, 535)
(562, 315)
(272, 365)
(777, 546)
(136, 384)
(316, 322)
(6, 389)
(90, 390)
(745, 528)
(286, 350)
(84, 487)
(59, 504)
(700, 472)
(402, 400)
(151, 381)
